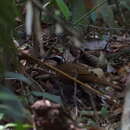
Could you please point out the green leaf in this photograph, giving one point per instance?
(17, 76)
(12, 111)
(10, 125)
(7, 22)
(64, 9)
(125, 4)
(87, 14)
(93, 16)
(91, 122)
(107, 14)
(104, 111)
(6, 96)
(78, 10)
(2, 127)
(48, 96)
(7, 12)
(18, 126)
(1, 116)
(10, 104)
(83, 112)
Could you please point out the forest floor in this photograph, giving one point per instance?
(76, 88)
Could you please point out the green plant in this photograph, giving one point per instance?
(10, 103)
(64, 8)
(16, 126)
(7, 22)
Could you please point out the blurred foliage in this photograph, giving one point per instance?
(51, 97)
(10, 104)
(64, 9)
(110, 12)
(16, 76)
(104, 112)
(7, 23)
(98, 12)
(17, 126)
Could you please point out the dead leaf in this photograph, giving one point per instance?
(98, 71)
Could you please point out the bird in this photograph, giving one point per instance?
(81, 72)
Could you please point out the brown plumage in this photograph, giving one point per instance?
(80, 71)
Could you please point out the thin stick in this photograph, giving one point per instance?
(84, 85)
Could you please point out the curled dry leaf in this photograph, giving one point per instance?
(95, 44)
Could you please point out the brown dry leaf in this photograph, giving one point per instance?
(123, 73)
(89, 4)
(96, 128)
(98, 71)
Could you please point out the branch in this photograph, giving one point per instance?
(84, 85)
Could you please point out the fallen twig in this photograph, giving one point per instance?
(84, 85)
